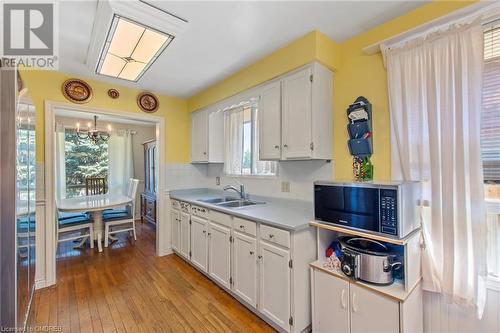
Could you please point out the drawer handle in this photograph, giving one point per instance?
(242, 227)
(271, 236)
(251, 253)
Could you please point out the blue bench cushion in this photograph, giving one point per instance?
(70, 215)
(117, 216)
(115, 211)
(74, 221)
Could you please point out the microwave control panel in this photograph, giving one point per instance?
(388, 212)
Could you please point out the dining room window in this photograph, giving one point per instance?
(83, 158)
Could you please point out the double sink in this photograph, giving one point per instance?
(230, 202)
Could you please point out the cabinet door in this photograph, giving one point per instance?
(297, 115)
(175, 220)
(199, 242)
(330, 303)
(245, 267)
(372, 312)
(274, 301)
(219, 252)
(185, 236)
(199, 137)
(269, 119)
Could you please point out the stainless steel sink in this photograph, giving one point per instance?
(218, 200)
(238, 203)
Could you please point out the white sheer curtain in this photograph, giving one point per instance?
(435, 101)
(120, 161)
(60, 162)
(233, 143)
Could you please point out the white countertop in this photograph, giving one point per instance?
(92, 202)
(282, 213)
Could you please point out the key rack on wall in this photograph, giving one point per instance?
(360, 141)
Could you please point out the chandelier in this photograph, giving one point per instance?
(93, 134)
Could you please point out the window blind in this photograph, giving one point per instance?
(490, 115)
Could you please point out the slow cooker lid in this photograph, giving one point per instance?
(366, 245)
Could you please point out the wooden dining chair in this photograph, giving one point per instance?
(117, 221)
(95, 185)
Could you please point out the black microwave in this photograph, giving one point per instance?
(388, 209)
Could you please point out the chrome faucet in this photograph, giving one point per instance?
(241, 191)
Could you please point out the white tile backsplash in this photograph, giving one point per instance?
(300, 175)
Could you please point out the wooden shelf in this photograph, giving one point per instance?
(348, 231)
(395, 290)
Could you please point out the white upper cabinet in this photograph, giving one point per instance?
(207, 136)
(269, 119)
(297, 115)
(307, 113)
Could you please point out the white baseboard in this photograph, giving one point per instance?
(166, 252)
(40, 284)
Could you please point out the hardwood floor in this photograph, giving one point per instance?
(127, 289)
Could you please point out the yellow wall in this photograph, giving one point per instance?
(296, 54)
(46, 85)
(356, 74)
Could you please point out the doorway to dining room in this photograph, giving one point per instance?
(105, 155)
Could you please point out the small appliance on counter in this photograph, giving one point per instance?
(368, 260)
(388, 209)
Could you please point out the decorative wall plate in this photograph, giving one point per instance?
(148, 102)
(77, 91)
(113, 93)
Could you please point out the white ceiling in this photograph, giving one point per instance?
(223, 37)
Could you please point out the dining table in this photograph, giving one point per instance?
(95, 205)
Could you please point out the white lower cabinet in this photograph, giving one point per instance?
(275, 283)
(331, 315)
(185, 235)
(265, 267)
(245, 267)
(339, 305)
(371, 312)
(219, 249)
(175, 220)
(199, 242)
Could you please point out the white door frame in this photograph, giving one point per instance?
(162, 243)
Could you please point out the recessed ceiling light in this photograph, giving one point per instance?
(130, 49)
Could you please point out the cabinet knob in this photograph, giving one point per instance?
(209, 233)
(277, 147)
(271, 235)
(204, 232)
(204, 153)
(251, 253)
(242, 227)
(260, 257)
(285, 146)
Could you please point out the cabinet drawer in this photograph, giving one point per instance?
(275, 235)
(245, 226)
(220, 218)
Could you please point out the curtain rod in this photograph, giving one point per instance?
(489, 11)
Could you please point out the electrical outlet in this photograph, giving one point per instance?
(217, 181)
(285, 187)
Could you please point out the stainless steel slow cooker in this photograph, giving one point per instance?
(368, 260)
